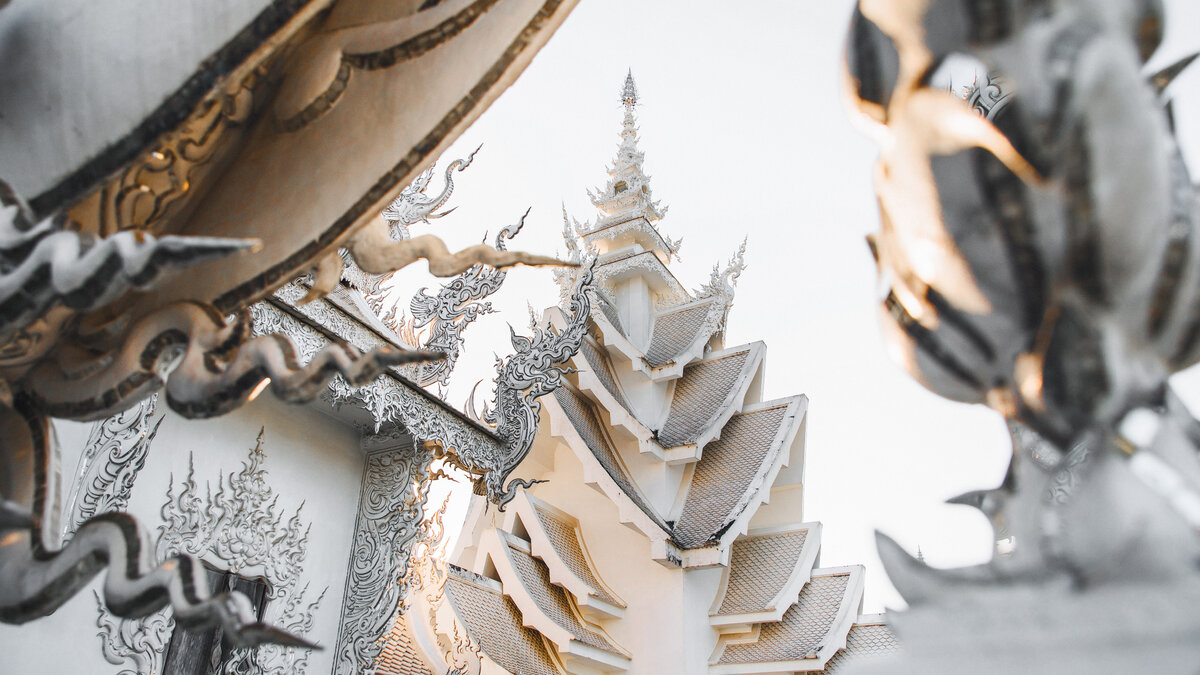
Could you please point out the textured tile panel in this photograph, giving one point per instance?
(758, 569)
(699, 395)
(554, 602)
(495, 622)
(675, 332)
(725, 473)
(864, 642)
(565, 540)
(398, 656)
(800, 630)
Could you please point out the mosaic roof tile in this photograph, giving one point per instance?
(553, 600)
(601, 366)
(398, 656)
(494, 620)
(674, 332)
(583, 417)
(699, 396)
(759, 567)
(565, 540)
(802, 628)
(726, 472)
(865, 641)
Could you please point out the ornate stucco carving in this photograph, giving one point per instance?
(411, 207)
(113, 456)
(989, 96)
(647, 263)
(721, 286)
(443, 317)
(390, 510)
(243, 529)
(534, 369)
(148, 192)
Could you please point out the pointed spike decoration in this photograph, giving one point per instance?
(629, 93)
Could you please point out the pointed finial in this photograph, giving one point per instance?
(629, 93)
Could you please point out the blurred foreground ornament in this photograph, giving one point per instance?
(1039, 255)
(282, 126)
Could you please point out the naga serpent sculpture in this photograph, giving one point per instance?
(1044, 262)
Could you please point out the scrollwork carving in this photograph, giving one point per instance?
(448, 314)
(113, 456)
(242, 528)
(391, 507)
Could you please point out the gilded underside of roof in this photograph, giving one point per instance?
(565, 540)
(865, 641)
(725, 473)
(583, 417)
(674, 332)
(601, 366)
(554, 602)
(399, 656)
(699, 395)
(802, 628)
(494, 621)
(759, 567)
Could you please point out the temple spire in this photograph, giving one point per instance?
(629, 92)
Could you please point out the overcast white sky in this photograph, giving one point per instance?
(745, 133)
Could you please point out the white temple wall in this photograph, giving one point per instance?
(649, 401)
(636, 311)
(310, 458)
(659, 481)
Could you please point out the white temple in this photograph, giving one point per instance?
(663, 532)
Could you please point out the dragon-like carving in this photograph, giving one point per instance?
(91, 325)
(534, 369)
(1041, 259)
(414, 206)
(449, 313)
(721, 286)
(411, 207)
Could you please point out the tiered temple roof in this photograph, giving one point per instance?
(661, 429)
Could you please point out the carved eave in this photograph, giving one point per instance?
(390, 399)
(732, 612)
(350, 304)
(709, 429)
(634, 260)
(827, 607)
(624, 230)
(574, 639)
(568, 562)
